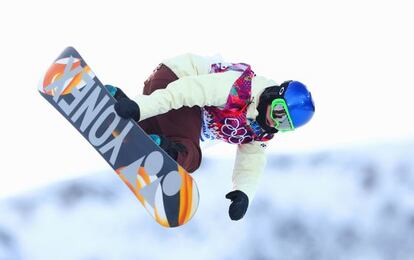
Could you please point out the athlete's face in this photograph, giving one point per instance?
(269, 120)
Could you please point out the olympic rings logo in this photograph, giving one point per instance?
(235, 134)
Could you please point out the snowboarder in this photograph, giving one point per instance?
(190, 98)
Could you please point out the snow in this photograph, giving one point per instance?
(354, 203)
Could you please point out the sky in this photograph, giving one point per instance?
(356, 57)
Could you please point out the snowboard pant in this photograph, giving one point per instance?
(178, 125)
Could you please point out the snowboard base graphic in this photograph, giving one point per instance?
(162, 186)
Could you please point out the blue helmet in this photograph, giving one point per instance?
(291, 99)
(299, 102)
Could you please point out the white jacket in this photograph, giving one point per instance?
(197, 87)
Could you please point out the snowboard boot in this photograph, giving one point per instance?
(170, 147)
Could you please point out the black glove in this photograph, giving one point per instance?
(116, 92)
(119, 94)
(171, 148)
(239, 204)
(127, 108)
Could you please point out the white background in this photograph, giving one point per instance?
(355, 56)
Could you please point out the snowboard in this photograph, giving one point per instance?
(162, 186)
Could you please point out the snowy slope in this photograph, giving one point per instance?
(355, 203)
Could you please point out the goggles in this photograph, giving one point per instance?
(280, 115)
